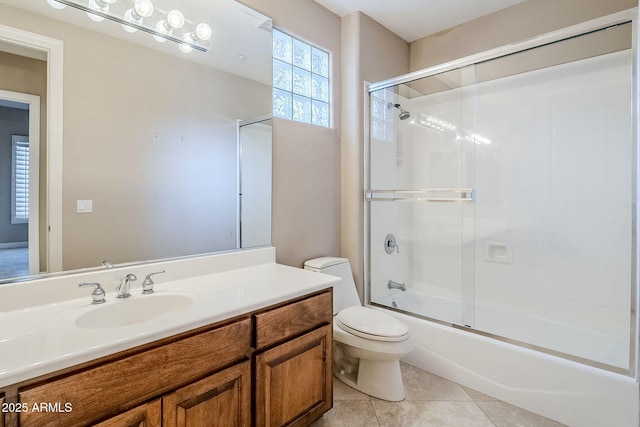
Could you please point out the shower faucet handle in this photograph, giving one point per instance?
(390, 244)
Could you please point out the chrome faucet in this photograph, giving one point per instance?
(147, 285)
(98, 293)
(122, 291)
(395, 285)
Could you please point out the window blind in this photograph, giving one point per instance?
(20, 188)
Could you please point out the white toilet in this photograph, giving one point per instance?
(367, 343)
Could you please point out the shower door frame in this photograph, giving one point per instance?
(627, 16)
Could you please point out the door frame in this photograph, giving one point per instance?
(36, 45)
(33, 103)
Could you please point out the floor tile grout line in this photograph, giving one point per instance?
(485, 414)
(374, 411)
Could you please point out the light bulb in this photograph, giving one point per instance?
(56, 4)
(161, 28)
(144, 8)
(175, 19)
(128, 16)
(203, 31)
(184, 47)
(141, 9)
(94, 17)
(101, 6)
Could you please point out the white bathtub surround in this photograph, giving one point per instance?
(565, 391)
(39, 317)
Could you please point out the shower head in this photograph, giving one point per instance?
(404, 114)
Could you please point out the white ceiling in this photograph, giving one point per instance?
(414, 19)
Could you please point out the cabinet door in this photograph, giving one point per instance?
(147, 415)
(1, 413)
(219, 400)
(294, 381)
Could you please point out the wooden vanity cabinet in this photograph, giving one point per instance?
(1, 412)
(267, 368)
(113, 387)
(293, 376)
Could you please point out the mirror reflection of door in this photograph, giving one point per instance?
(18, 171)
(255, 182)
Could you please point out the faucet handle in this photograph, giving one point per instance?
(147, 285)
(391, 244)
(98, 293)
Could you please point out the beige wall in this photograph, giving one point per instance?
(372, 53)
(318, 173)
(306, 159)
(510, 25)
(149, 138)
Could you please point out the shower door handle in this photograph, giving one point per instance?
(424, 195)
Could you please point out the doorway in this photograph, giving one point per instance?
(19, 175)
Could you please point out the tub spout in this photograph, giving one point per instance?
(395, 285)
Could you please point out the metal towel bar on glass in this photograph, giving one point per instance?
(423, 195)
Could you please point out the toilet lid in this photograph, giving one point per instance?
(372, 324)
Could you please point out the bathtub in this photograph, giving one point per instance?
(566, 391)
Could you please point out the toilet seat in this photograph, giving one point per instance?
(371, 324)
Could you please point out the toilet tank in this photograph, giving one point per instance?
(344, 293)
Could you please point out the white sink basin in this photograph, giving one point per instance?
(132, 310)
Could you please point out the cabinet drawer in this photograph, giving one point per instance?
(280, 323)
(146, 415)
(116, 386)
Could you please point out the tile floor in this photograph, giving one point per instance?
(14, 262)
(430, 401)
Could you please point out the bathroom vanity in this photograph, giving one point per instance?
(254, 348)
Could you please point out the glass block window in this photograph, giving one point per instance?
(300, 81)
(382, 115)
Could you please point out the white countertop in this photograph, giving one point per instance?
(44, 338)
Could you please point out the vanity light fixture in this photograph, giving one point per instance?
(56, 5)
(202, 32)
(99, 5)
(141, 9)
(141, 15)
(174, 21)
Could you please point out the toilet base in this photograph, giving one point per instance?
(381, 379)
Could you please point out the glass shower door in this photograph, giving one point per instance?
(420, 197)
(554, 219)
(501, 196)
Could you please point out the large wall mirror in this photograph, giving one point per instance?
(153, 139)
